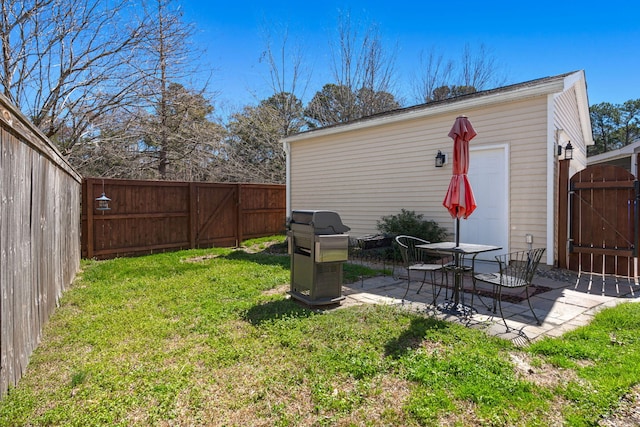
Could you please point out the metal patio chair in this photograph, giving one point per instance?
(421, 262)
(516, 271)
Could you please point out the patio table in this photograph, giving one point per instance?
(459, 251)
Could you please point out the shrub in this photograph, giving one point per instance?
(412, 224)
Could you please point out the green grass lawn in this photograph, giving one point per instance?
(209, 337)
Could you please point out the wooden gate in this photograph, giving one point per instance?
(603, 229)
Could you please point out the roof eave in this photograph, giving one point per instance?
(516, 93)
(619, 153)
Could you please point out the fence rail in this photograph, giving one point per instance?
(155, 216)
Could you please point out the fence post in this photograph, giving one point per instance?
(88, 208)
(563, 213)
(239, 215)
(193, 214)
(636, 216)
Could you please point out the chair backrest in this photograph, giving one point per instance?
(518, 268)
(407, 245)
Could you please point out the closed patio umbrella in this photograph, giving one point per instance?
(459, 199)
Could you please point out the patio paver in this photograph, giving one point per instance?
(566, 306)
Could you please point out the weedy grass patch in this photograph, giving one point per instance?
(209, 337)
(605, 357)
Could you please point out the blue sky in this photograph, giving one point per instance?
(528, 40)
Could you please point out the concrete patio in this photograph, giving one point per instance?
(568, 301)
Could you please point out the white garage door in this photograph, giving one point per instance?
(489, 223)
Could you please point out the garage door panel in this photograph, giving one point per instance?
(489, 222)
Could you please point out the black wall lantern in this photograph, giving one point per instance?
(441, 159)
(568, 151)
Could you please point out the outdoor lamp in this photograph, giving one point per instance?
(440, 159)
(103, 203)
(568, 151)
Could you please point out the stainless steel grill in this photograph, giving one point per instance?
(318, 247)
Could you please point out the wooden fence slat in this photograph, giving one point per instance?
(239, 215)
(193, 210)
(213, 215)
(39, 237)
(87, 206)
(603, 223)
(150, 216)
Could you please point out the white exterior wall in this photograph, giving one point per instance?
(372, 172)
(369, 172)
(376, 167)
(566, 125)
(566, 118)
(528, 206)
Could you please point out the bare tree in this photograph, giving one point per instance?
(288, 79)
(167, 133)
(166, 53)
(125, 147)
(433, 72)
(363, 68)
(479, 70)
(115, 153)
(253, 152)
(439, 78)
(96, 77)
(66, 62)
(178, 137)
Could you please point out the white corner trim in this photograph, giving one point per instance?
(551, 167)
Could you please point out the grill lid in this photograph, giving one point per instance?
(323, 222)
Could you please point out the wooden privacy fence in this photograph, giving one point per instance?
(599, 218)
(154, 216)
(39, 237)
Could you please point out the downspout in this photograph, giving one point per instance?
(286, 146)
(552, 163)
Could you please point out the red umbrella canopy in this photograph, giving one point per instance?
(459, 199)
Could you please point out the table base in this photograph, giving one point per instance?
(458, 309)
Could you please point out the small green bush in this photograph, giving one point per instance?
(412, 224)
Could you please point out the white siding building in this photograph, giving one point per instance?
(378, 165)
